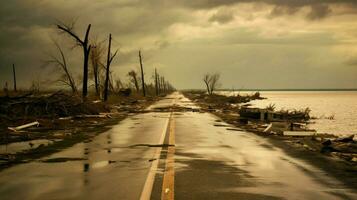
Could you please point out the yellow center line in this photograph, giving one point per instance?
(146, 193)
(169, 174)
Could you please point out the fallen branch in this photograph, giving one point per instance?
(36, 123)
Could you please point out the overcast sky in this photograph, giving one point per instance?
(252, 43)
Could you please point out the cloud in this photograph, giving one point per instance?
(158, 26)
(352, 61)
(319, 11)
(283, 10)
(208, 4)
(222, 16)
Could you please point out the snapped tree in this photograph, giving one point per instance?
(86, 50)
(109, 61)
(142, 74)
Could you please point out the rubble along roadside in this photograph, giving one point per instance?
(336, 155)
(61, 118)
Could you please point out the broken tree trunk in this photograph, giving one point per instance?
(142, 74)
(86, 50)
(106, 85)
(14, 73)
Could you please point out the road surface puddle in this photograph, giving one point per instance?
(22, 146)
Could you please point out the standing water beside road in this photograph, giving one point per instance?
(335, 111)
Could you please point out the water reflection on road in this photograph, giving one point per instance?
(105, 168)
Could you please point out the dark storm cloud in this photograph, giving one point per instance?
(27, 26)
(318, 8)
(283, 10)
(319, 11)
(204, 4)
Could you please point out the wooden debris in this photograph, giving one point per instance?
(36, 123)
(299, 133)
(268, 128)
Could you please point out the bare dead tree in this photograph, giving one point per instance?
(211, 81)
(142, 74)
(133, 78)
(207, 81)
(96, 55)
(109, 61)
(14, 74)
(86, 50)
(214, 84)
(66, 77)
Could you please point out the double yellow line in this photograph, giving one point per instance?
(169, 173)
(168, 184)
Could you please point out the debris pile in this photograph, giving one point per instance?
(53, 105)
(342, 147)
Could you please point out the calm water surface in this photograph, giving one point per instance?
(342, 105)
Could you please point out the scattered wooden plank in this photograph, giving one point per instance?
(268, 128)
(299, 133)
(36, 123)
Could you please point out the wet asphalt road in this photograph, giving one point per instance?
(211, 161)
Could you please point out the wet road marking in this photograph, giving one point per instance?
(169, 173)
(149, 183)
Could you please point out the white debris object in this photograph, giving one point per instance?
(299, 133)
(268, 128)
(36, 123)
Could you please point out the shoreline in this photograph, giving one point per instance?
(305, 148)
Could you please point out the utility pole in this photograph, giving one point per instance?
(142, 74)
(106, 84)
(14, 73)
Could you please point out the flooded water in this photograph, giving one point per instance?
(22, 146)
(341, 106)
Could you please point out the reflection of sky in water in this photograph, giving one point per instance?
(342, 105)
(22, 146)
